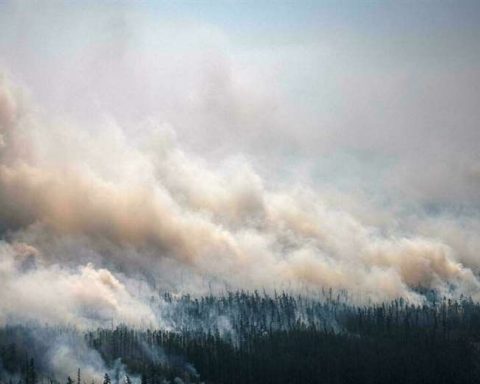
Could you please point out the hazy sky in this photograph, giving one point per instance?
(365, 94)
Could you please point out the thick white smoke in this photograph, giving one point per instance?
(140, 205)
(84, 297)
(137, 163)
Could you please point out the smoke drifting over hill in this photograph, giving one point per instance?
(144, 207)
(135, 161)
(197, 148)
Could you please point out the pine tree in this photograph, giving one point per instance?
(30, 373)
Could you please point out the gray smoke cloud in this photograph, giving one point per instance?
(70, 198)
(138, 155)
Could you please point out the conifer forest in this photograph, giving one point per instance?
(248, 337)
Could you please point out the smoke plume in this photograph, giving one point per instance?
(85, 214)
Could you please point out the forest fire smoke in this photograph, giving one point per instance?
(131, 207)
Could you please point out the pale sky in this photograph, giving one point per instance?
(383, 86)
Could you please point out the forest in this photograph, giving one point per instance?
(252, 337)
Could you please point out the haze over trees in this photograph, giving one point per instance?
(243, 337)
(251, 191)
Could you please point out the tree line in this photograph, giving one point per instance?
(248, 337)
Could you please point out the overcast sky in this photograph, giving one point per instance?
(381, 96)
